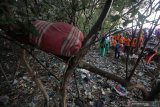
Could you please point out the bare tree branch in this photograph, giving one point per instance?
(98, 24)
(35, 78)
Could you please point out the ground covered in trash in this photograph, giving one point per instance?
(18, 89)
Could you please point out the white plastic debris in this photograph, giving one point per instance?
(15, 82)
(103, 93)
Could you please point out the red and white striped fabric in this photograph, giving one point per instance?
(57, 38)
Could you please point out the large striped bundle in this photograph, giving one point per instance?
(57, 38)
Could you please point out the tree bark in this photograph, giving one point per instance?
(64, 86)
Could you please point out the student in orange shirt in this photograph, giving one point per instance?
(127, 44)
(112, 38)
(134, 42)
(117, 37)
(141, 41)
(113, 43)
(121, 41)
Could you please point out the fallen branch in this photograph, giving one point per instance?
(108, 75)
(100, 72)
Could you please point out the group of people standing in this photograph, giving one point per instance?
(120, 43)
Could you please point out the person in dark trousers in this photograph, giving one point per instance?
(117, 50)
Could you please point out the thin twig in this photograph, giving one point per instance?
(36, 79)
(76, 84)
(5, 75)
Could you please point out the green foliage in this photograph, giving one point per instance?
(81, 13)
(115, 18)
(84, 3)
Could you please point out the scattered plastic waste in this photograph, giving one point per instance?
(135, 56)
(4, 100)
(32, 104)
(99, 103)
(119, 88)
(14, 82)
(79, 102)
(150, 67)
(103, 92)
(94, 90)
(85, 79)
(51, 94)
